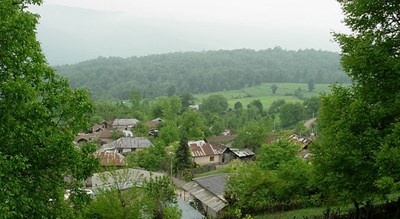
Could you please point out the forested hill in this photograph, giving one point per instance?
(195, 72)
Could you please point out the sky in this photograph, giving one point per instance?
(72, 31)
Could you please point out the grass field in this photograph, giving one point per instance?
(263, 92)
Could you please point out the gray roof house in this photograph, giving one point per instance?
(208, 193)
(124, 123)
(121, 179)
(127, 144)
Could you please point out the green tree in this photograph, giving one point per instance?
(40, 117)
(154, 198)
(277, 178)
(311, 107)
(152, 158)
(274, 88)
(358, 124)
(291, 113)
(161, 192)
(135, 99)
(257, 103)
(311, 85)
(193, 125)
(273, 155)
(141, 129)
(169, 133)
(275, 107)
(187, 99)
(251, 136)
(238, 106)
(214, 104)
(171, 90)
(182, 156)
(167, 108)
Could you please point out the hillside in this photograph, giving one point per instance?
(199, 72)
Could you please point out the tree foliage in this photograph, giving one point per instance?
(291, 113)
(251, 136)
(40, 117)
(358, 124)
(277, 180)
(182, 156)
(154, 198)
(214, 104)
(199, 72)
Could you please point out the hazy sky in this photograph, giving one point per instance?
(76, 30)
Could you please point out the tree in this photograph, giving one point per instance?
(311, 107)
(275, 107)
(358, 124)
(251, 136)
(167, 108)
(135, 99)
(171, 90)
(238, 106)
(311, 85)
(214, 104)
(274, 88)
(161, 194)
(152, 158)
(273, 155)
(257, 103)
(193, 125)
(291, 113)
(169, 133)
(182, 156)
(154, 198)
(40, 117)
(187, 99)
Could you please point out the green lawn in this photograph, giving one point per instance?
(263, 92)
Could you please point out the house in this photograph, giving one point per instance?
(110, 158)
(207, 194)
(234, 153)
(124, 123)
(303, 143)
(127, 144)
(204, 153)
(120, 179)
(153, 124)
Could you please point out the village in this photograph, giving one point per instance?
(199, 198)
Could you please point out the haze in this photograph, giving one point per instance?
(76, 30)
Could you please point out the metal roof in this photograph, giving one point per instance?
(121, 179)
(242, 153)
(202, 148)
(212, 201)
(188, 212)
(128, 143)
(214, 184)
(125, 122)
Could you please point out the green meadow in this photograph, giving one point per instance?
(263, 92)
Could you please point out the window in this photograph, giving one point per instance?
(211, 158)
(120, 150)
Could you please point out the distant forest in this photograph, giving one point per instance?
(200, 72)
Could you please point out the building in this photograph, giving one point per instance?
(204, 153)
(207, 194)
(127, 144)
(124, 123)
(234, 153)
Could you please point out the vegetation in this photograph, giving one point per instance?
(40, 117)
(358, 124)
(201, 72)
(153, 198)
